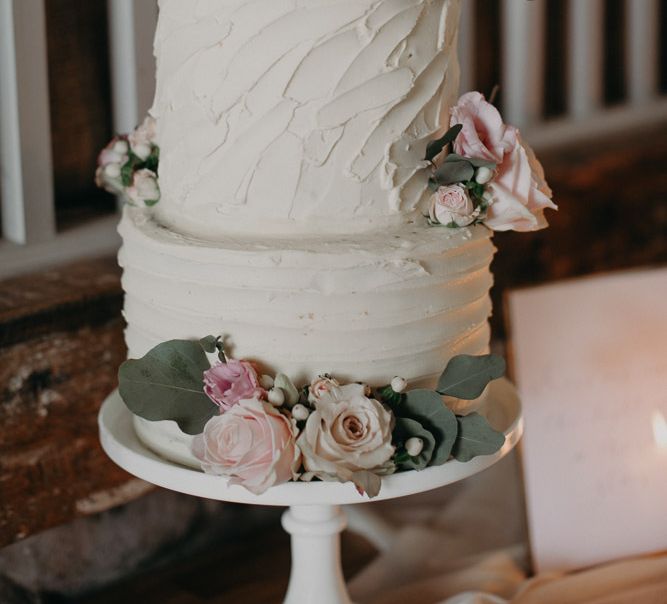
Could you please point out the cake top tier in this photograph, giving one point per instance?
(299, 117)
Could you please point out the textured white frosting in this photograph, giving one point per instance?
(397, 303)
(290, 117)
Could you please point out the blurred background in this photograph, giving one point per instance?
(585, 80)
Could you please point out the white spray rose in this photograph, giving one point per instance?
(144, 188)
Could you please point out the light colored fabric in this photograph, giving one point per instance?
(465, 545)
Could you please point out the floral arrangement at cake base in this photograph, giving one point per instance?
(260, 430)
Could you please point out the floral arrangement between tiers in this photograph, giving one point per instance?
(260, 430)
(481, 171)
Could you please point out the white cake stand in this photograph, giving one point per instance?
(314, 518)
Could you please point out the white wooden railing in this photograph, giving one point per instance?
(29, 237)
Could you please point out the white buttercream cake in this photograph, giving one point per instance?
(292, 135)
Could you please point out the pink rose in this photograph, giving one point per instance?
(484, 134)
(252, 443)
(452, 205)
(519, 192)
(227, 383)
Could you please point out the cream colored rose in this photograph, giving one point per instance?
(346, 433)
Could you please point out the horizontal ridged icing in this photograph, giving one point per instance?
(399, 303)
(299, 116)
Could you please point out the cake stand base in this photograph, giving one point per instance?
(314, 518)
(316, 574)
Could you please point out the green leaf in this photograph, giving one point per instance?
(434, 148)
(167, 383)
(407, 428)
(151, 202)
(287, 386)
(208, 344)
(476, 437)
(428, 408)
(454, 171)
(466, 375)
(367, 482)
(127, 173)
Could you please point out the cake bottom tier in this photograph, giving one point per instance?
(361, 308)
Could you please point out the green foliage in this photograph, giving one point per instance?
(454, 169)
(428, 408)
(466, 376)
(367, 482)
(434, 148)
(408, 428)
(287, 386)
(167, 383)
(208, 344)
(476, 437)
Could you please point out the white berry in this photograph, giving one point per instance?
(483, 175)
(112, 170)
(398, 384)
(414, 446)
(266, 382)
(300, 412)
(120, 146)
(276, 397)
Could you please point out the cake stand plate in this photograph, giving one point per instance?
(314, 518)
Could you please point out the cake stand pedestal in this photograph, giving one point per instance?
(314, 518)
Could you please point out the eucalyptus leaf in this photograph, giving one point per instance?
(476, 437)
(466, 375)
(434, 148)
(287, 386)
(167, 383)
(451, 172)
(481, 163)
(428, 408)
(208, 344)
(367, 482)
(407, 428)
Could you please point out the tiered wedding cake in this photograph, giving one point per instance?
(294, 194)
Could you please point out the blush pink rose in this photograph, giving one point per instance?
(484, 135)
(227, 383)
(252, 443)
(452, 205)
(518, 193)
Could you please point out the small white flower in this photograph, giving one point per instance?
(112, 170)
(414, 446)
(142, 151)
(398, 384)
(276, 397)
(300, 412)
(120, 147)
(483, 175)
(144, 188)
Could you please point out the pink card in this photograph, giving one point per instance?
(590, 361)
